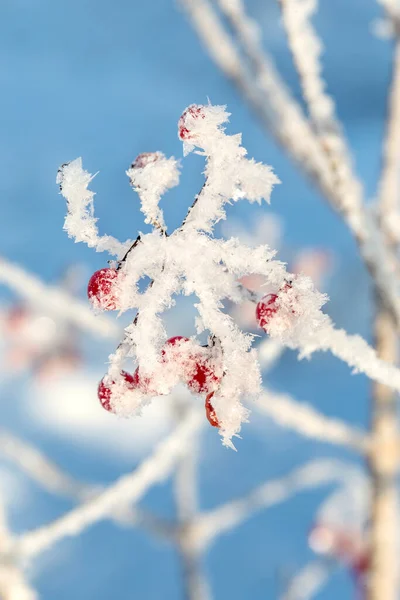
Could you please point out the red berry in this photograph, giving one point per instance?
(265, 309)
(202, 376)
(104, 391)
(144, 383)
(177, 340)
(100, 289)
(210, 412)
(144, 159)
(195, 111)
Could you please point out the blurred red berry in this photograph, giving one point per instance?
(104, 391)
(195, 111)
(144, 159)
(210, 412)
(100, 289)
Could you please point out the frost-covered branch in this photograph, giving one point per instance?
(36, 465)
(307, 421)
(226, 517)
(259, 83)
(389, 185)
(308, 582)
(13, 584)
(192, 262)
(55, 301)
(306, 48)
(128, 489)
(80, 222)
(39, 468)
(265, 91)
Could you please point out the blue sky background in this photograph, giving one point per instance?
(106, 81)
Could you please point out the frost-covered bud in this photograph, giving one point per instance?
(106, 389)
(266, 309)
(101, 289)
(210, 411)
(146, 158)
(187, 121)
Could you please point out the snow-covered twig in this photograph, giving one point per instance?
(36, 465)
(80, 222)
(307, 421)
(40, 468)
(306, 49)
(191, 261)
(13, 584)
(261, 85)
(128, 489)
(389, 185)
(55, 301)
(308, 582)
(273, 104)
(211, 524)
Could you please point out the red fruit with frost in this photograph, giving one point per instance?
(144, 384)
(101, 289)
(144, 159)
(203, 378)
(194, 111)
(176, 340)
(266, 309)
(210, 412)
(104, 391)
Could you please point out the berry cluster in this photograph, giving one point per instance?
(195, 365)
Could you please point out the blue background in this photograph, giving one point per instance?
(106, 81)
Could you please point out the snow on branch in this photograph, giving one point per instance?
(323, 157)
(52, 478)
(308, 582)
(307, 421)
(38, 467)
(389, 185)
(151, 175)
(129, 488)
(188, 261)
(55, 301)
(259, 83)
(306, 48)
(80, 222)
(215, 522)
(192, 262)
(13, 584)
